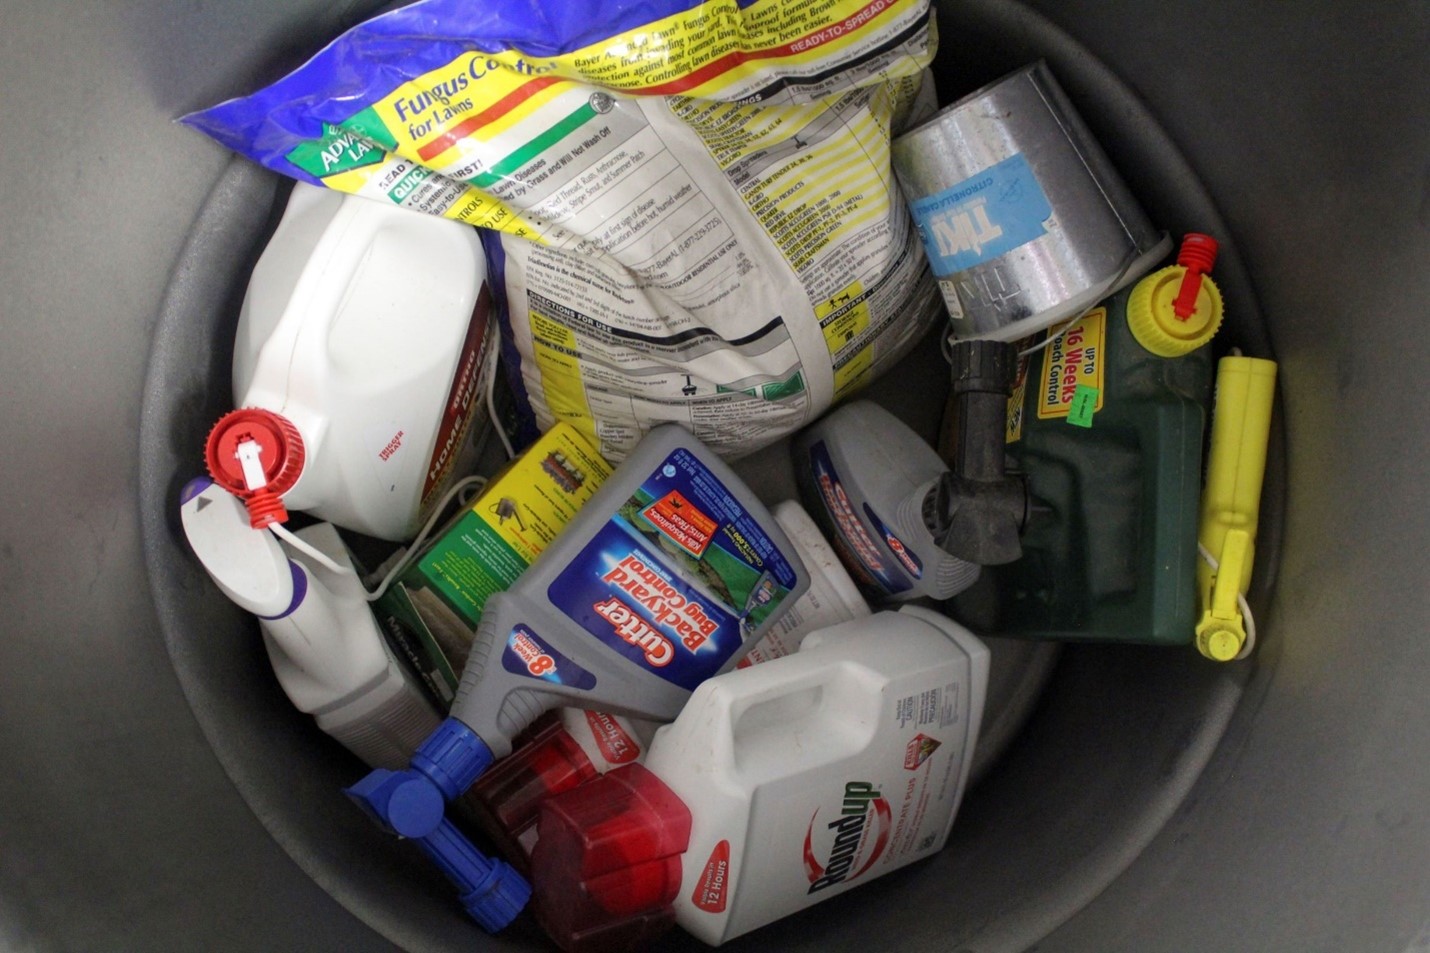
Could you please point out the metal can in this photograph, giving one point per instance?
(1024, 219)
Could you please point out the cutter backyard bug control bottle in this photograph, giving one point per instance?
(779, 786)
(579, 745)
(358, 366)
(661, 581)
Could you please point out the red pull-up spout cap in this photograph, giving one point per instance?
(1197, 255)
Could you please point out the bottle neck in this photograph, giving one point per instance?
(976, 511)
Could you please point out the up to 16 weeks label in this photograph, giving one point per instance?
(1073, 361)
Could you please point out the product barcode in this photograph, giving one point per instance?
(948, 714)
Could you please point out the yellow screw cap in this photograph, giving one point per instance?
(1154, 322)
(1220, 644)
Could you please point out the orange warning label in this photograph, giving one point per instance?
(713, 887)
(678, 518)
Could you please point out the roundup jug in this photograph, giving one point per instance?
(357, 367)
(662, 580)
(779, 786)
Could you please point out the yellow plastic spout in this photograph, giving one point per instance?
(1231, 500)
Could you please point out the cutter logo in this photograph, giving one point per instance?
(861, 832)
(686, 619)
(636, 631)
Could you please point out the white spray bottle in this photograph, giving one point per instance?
(322, 639)
(358, 366)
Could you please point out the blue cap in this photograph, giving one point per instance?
(402, 802)
(453, 757)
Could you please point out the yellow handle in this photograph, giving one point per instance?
(1231, 500)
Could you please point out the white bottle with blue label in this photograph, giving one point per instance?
(868, 481)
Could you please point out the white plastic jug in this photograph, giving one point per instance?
(777, 787)
(358, 367)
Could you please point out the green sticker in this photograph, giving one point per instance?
(779, 390)
(1084, 405)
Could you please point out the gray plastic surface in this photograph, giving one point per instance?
(161, 794)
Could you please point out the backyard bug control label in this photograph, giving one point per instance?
(678, 577)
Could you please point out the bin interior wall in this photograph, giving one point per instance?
(162, 794)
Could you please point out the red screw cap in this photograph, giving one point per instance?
(510, 794)
(257, 456)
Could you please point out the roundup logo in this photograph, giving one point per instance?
(860, 834)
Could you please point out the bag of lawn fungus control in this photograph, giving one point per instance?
(690, 206)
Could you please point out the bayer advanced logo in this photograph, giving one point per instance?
(896, 546)
(911, 563)
(851, 842)
(668, 470)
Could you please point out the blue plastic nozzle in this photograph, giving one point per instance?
(490, 889)
(412, 804)
(401, 802)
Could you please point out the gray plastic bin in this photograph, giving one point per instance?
(159, 793)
